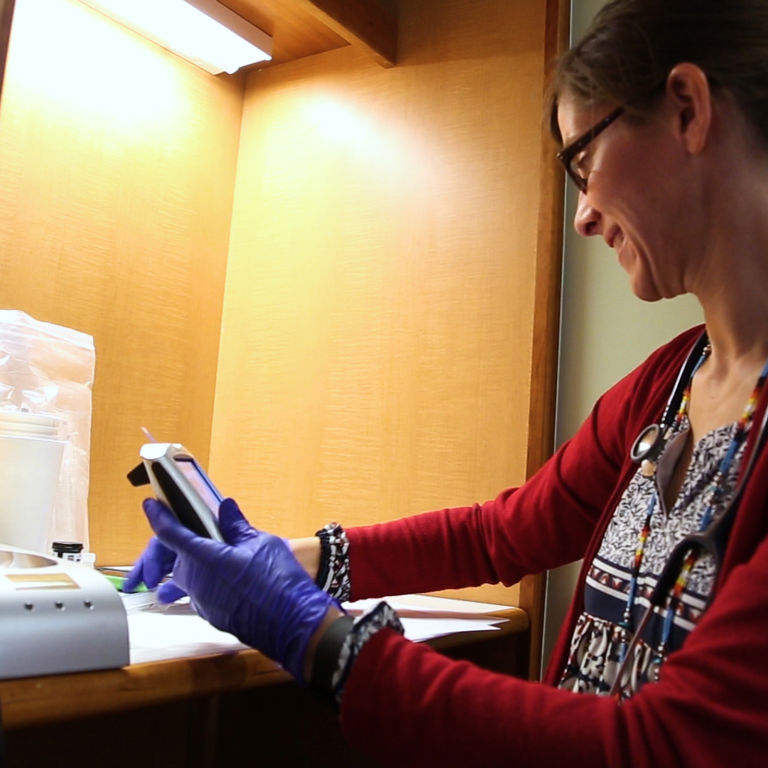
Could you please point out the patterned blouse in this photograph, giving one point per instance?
(593, 661)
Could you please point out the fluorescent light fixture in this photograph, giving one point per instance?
(204, 32)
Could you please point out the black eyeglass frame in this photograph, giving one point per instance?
(566, 154)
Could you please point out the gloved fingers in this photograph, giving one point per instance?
(153, 565)
(233, 525)
(135, 576)
(170, 592)
(176, 536)
(158, 562)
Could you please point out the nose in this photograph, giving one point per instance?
(587, 220)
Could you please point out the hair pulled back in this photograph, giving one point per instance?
(630, 47)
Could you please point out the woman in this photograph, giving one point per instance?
(662, 109)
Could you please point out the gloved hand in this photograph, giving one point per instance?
(153, 565)
(251, 586)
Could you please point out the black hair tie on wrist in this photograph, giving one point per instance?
(327, 655)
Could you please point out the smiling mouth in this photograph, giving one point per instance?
(614, 238)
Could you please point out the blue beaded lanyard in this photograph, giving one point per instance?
(717, 490)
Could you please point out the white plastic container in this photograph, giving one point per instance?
(30, 460)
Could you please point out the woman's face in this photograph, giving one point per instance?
(632, 197)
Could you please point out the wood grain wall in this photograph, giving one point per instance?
(383, 305)
(385, 340)
(117, 164)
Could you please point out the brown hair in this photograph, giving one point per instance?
(625, 55)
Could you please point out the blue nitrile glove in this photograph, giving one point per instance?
(153, 565)
(251, 586)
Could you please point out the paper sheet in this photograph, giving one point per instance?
(174, 631)
(159, 632)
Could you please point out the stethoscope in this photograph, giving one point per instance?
(712, 541)
(651, 441)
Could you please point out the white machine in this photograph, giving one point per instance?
(57, 616)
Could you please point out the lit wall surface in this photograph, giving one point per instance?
(322, 279)
(378, 317)
(117, 163)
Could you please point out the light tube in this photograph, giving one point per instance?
(204, 32)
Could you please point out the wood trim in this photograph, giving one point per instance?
(546, 320)
(363, 23)
(6, 15)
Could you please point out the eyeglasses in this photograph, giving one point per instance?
(567, 154)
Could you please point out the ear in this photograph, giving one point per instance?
(689, 93)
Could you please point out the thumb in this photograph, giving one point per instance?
(233, 525)
(170, 592)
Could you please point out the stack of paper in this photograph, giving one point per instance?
(159, 632)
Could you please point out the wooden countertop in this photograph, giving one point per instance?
(39, 700)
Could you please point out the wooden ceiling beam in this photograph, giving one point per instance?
(362, 23)
(6, 14)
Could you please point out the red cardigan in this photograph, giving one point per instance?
(408, 705)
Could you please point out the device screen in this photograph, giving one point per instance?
(199, 482)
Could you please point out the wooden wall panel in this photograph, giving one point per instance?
(377, 335)
(117, 164)
(384, 288)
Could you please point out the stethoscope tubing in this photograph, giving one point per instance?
(642, 448)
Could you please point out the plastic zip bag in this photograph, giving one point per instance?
(49, 369)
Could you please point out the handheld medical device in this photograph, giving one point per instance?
(179, 481)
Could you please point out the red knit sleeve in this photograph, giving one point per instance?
(545, 523)
(408, 705)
